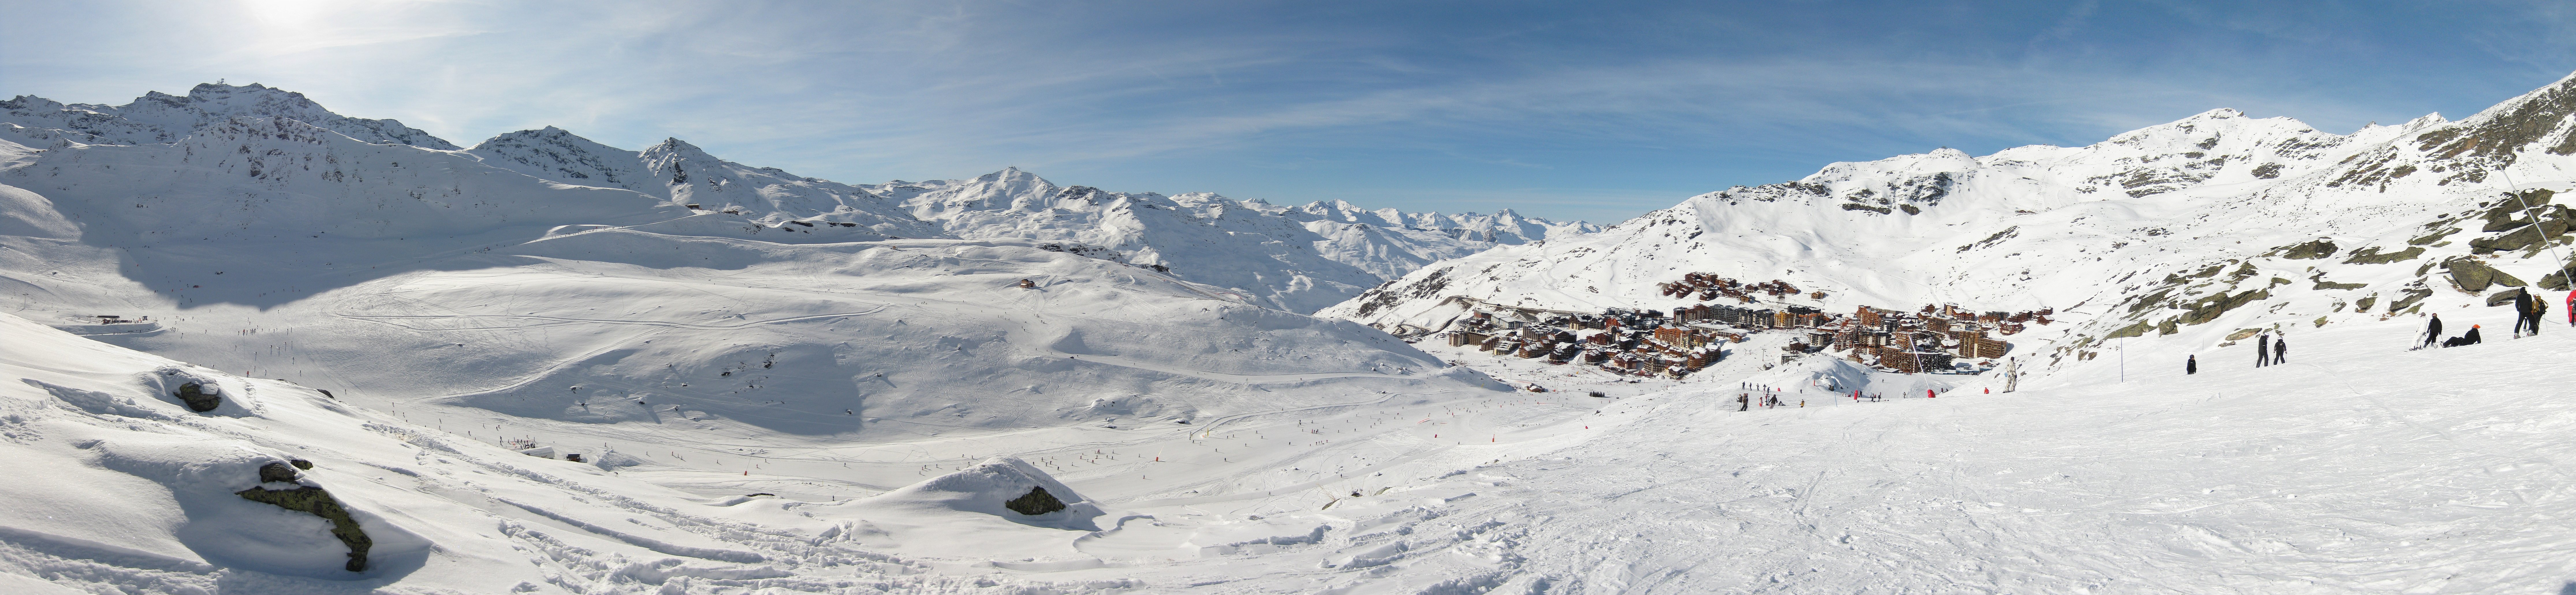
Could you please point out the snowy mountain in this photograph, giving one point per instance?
(1294, 259)
(158, 117)
(1299, 259)
(2198, 229)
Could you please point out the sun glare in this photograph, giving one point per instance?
(287, 12)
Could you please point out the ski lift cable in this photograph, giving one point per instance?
(2516, 191)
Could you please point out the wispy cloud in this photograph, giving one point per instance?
(1417, 103)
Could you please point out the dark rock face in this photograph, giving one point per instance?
(2474, 275)
(198, 399)
(276, 472)
(2371, 255)
(2310, 250)
(313, 500)
(1036, 502)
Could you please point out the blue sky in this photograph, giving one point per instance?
(1599, 111)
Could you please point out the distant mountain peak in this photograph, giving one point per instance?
(158, 117)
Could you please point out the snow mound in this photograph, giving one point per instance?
(990, 488)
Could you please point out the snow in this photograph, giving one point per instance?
(765, 406)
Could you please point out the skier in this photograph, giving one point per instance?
(1927, 393)
(1744, 402)
(2190, 365)
(2281, 350)
(2433, 331)
(2571, 308)
(2263, 350)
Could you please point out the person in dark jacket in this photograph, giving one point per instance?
(2432, 332)
(2190, 365)
(2281, 349)
(2263, 350)
(2522, 311)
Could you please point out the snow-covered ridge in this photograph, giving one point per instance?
(1298, 259)
(158, 117)
(2201, 227)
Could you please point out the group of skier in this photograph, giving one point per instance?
(2268, 350)
(2527, 308)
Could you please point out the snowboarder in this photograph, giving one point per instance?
(2263, 350)
(2190, 365)
(2281, 349)
(1927, 393)
(2433, 331)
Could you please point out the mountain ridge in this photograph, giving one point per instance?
(2089, 231)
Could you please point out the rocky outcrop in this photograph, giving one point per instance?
(318, 502)
(198, 398)
(2371, 255)
(2320, 248)
(2475, 276)
(1034, 503)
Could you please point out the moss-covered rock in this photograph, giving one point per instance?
(1034, 503)
(2408, 297)
(2209, 308)
(2434, 237)
(2520, 238)
(2372, 255)
(2130, 331)
(2363, 304)
(320, 503)
(2319, 248)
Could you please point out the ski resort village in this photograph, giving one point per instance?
(267, 338)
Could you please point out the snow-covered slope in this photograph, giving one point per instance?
(2204, 226)
(1295, 259)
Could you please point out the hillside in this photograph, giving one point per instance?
(2196, 229)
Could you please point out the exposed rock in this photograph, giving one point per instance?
(2474, 276)
(319, 502)
(2371, 255)
(2209, 308)
(1036, 502)
(2413, 293)
(2320, 248)
(198, 398)
(2130, 331)
(276, 472)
